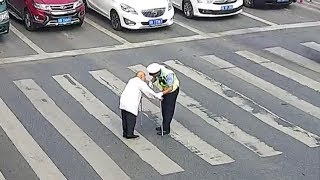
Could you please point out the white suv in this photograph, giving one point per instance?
(209, 8)
(134, 14)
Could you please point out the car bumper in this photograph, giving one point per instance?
(4, 27)
(49, 19)
(273, 2)
(142, 22)
(214, 10)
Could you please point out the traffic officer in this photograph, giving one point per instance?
(167, 81)
(130, 100)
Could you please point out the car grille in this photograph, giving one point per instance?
(217, 12)
(153, 12)
(224, 1)
(62, 7)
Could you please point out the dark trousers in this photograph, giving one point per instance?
(168, 105)
(128, 122)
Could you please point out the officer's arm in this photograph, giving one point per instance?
(170, 81)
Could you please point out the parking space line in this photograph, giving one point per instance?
(311, 8)
(26, 40)
(190, 28)
(105, 31)
(38, 57)
(258, 19)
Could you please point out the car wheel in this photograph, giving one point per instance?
(86, 5)
(248, 3)
(115, 21)
(187, 9)
(28, 23)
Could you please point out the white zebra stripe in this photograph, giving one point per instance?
(296, 58)
(146, 150)
(266, 86)
(312, 45)
(94, 155)
(1, 176)
(315, 85)
(178, 132)
(248, 105)
(38, 160)
(221, 123)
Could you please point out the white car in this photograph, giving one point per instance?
(209, 8)
(134, 14)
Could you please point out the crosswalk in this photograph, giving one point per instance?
(150, 152)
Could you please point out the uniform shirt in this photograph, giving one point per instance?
(169, 79)
(131, 95)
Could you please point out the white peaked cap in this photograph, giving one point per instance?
(153, 68)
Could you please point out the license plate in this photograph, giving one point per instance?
(280, 1)
(224, 8)
(64, 20)
(155, 22)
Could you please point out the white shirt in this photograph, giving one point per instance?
(131, 95)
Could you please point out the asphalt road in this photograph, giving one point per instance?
(249, 106)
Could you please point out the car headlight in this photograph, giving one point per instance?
(206, 1)
(128, 9)
(169, 5)
(44, 7)
(4, 16)
(77, 3)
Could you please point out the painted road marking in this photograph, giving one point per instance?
(190, 28)
(296, 58)
(1, 176)
(146, 151)
(27, 146)
(221, 123)
(312, 45)
(26, 40)
(178, 132)
(267, 28)
(266, 86)
(105, 31)
(310, 83)
(258, 19)
(153, 43)
(260, 112)
(105, 167)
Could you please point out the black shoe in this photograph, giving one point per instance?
(132, 136)
(124, 135)
(164, 133)
(158, 129)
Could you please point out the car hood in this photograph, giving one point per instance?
(145, 4)
(54, 1)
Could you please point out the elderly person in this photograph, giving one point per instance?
(130, 100)
(167, 81)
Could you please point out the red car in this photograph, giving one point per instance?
(44, 13)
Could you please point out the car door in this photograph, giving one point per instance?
(16, 6)
(98, 6)
(106, 6)
(177, 3)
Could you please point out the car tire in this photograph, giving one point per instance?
(248, 3)
(80, 23)
(86, 5)
(28, 23)
(187, 9)
(115, 20)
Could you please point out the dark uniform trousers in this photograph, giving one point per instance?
(168, 105)
(128, 122)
